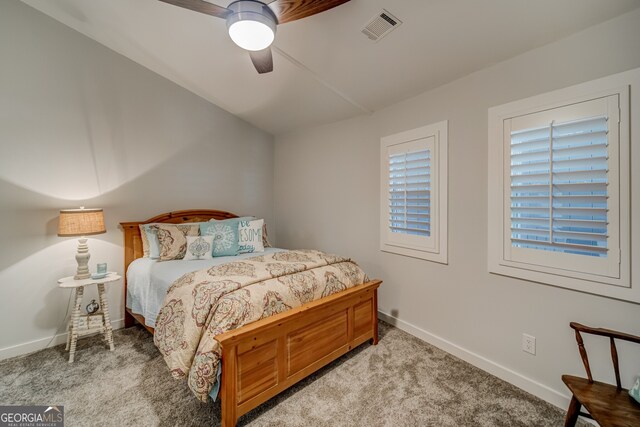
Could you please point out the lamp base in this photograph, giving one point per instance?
(82, 257)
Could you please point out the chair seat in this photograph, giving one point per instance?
(607, 405)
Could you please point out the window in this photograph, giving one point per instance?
(414, 193)
(559, 188)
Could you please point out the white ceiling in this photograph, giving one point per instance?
(325, 69)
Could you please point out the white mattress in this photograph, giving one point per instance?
(148, 280)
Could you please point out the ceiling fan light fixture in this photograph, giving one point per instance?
(251, 25)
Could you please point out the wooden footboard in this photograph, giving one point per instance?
(266, 357)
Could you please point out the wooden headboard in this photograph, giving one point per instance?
(133, 240)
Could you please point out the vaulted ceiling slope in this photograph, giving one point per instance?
(325, 69)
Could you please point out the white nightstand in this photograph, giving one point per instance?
(89, 325)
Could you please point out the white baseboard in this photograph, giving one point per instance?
(31, 346)
(527, 384)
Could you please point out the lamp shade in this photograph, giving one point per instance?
(81, 222)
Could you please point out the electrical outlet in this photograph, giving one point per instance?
(529, 343)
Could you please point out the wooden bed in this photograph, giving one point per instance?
(263, 358)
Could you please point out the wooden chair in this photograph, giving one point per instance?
(607, 404)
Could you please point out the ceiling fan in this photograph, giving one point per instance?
(252, 23)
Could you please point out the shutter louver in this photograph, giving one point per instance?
(410, 193)
(559, 184)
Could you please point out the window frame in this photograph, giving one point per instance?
(498, 200)
(433, 247)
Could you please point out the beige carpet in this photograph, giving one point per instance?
(400, 382)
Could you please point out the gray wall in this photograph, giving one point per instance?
(327, 197)
(82, 125)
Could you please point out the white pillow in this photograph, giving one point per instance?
(250, 236)
(199, 247)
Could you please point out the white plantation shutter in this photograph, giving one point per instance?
(561, 194)
(409, 192)
(559, 181)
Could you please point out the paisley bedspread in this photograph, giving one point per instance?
(206, 303)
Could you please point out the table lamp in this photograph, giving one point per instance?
(81, 222)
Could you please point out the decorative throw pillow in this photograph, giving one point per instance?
(199, 247)
(635, 390)
(150, 246)
(250, 236)
(145, 241)
(225, 236)
(172, 239)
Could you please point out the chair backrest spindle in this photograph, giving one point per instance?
(583, 355)
(614, 359)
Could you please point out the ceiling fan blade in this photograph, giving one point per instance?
(262, 60)
(291, 10)
(201, 6)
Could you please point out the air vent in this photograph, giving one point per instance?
(381, 25)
